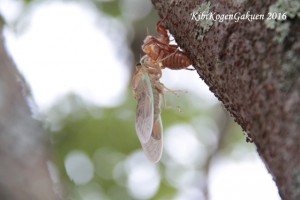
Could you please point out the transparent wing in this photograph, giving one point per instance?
(144, 109)
(153, 147)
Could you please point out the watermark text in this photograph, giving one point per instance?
(236, 17)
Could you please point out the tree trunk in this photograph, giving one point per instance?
(23, 147)
(253, 68)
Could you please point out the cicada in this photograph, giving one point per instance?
(148, 93)
(148, 90)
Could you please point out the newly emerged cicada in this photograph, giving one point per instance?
(148, 93)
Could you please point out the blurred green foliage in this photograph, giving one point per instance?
(111, 8)
(88, 128)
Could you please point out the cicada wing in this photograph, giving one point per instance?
(144, 109)
(153, 147)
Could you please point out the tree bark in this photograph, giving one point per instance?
(253, 68)
(23, 145)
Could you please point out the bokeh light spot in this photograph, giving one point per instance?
(143, 177)
(79, 167)
(182, 145)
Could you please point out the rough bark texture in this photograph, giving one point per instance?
(253, 68)
(23, 148)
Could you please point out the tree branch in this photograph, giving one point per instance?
(253, 68)
(23, 145)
